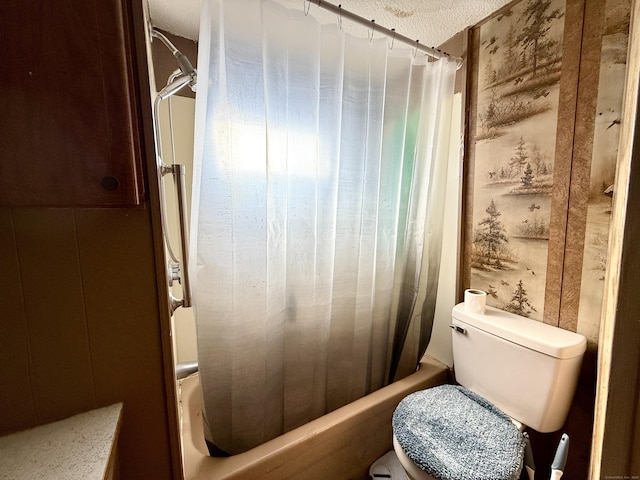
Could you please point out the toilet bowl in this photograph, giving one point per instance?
(510, 371)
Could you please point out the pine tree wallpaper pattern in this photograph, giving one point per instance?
(520, 57)
(514, 238)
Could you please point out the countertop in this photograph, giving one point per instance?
(79, 447)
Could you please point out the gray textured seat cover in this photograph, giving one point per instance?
(455, 434)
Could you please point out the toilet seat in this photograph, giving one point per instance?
(452, 433)
(413, 471)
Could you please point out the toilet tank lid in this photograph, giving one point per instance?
(538, 336)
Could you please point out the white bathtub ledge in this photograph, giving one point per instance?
(80, 447)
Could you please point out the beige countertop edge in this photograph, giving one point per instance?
(77, 447)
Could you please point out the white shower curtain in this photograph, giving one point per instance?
(319, 181)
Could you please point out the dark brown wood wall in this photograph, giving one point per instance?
(80, 326)
(84, 317)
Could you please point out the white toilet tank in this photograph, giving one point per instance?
(526, 368)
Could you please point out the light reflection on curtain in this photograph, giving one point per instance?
(319, 180)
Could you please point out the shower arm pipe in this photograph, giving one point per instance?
(183, 62)
(163, 38)
(342, 13)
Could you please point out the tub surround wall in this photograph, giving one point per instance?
(162, 65)
(183, 329)
(448, 281)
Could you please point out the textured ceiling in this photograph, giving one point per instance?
(430, 21)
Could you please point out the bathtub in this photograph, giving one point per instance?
(339, 445)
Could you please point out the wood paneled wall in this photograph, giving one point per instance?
(84, 316)
(80, 326)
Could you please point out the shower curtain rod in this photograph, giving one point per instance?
(342, 13)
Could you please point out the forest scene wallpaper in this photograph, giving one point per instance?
(519, 69)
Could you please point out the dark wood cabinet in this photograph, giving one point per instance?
(68, 121)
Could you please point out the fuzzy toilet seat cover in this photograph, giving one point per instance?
(455, 434)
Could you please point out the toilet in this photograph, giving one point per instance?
(512, 373)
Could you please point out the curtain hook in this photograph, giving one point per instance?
(393, 38)
(373, 29)
(305, 7)
(340, 16)
(415, 50)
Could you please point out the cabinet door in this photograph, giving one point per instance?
(68, 119)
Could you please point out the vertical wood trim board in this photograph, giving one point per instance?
(579, 189)
(567, 106)
(468, 164)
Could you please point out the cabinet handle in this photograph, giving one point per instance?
(110, 183)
